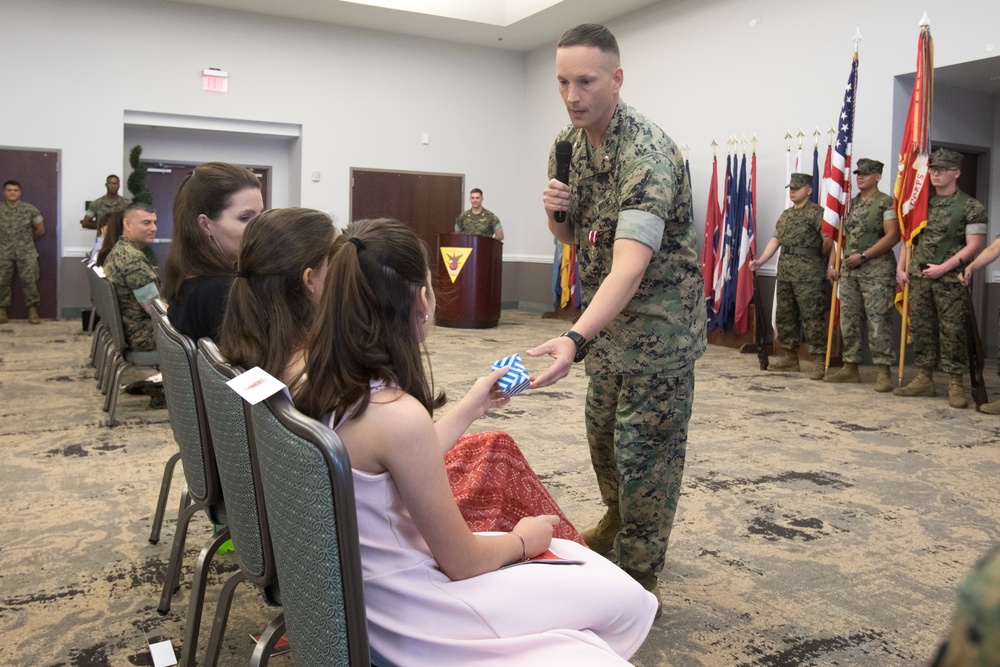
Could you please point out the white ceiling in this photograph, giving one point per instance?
(516, 25)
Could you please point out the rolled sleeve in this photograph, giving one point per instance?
(640, 226)
(146, 292)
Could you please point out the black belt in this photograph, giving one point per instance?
(800, 250)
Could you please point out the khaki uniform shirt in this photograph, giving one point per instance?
(633, 186)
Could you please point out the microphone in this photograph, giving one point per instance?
(564, 151)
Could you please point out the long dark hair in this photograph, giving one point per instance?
(115, 221)
(208, 190)
(367, 327)
(269, 310)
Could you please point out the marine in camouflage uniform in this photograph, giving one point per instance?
(641, 365)
(484, 223)
(19, 221)
(955, 232)
(975, 631)
(802, 301)
(105, 204)
(128, 268)
(867, 278)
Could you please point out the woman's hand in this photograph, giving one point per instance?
(536, 531)
(486, 394)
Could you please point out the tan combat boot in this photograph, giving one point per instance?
(651, 583)
(33, 317)
(956, 392)
(883, 381)
(819, 367)
(789, 361)
(601, 537)
(922, 385)
(3, 316)
(849, 373)
(991, 408)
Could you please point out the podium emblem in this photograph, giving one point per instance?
(454, 260)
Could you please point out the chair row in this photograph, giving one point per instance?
(109, 353)
(279, 485)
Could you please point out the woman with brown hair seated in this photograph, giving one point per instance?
(212, 208)
(434, 589)
(279, 279)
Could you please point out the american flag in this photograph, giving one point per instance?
(838, 185)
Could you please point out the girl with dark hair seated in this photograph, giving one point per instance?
(213, 206)
(434, 589)
(279, 279)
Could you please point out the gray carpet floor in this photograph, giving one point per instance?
(819, 524)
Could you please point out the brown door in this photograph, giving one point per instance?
(38, 174)
(164, 180)
(428, 202)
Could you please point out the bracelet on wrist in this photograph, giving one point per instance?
(524, 550)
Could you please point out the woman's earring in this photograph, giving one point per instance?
(425, 318)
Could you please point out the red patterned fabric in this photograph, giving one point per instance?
(495, 486)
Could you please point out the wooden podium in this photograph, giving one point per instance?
(472, 299)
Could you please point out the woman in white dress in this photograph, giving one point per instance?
(435, 592)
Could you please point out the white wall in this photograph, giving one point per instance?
(700, 71)
(362, 98)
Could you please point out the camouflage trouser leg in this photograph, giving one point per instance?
(805, 302)
(937, 325)
(6, 277)
(27, 270)
(867, 300)
(637, 430)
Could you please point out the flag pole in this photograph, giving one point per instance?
(906, 306)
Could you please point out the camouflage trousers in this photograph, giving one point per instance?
(806, 302)
(637, 429)
(867, 299)
(937, 325)
(27, 269)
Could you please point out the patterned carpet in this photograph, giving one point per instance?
(819, 524)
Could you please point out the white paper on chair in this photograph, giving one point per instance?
(255, 385)
(163, 654)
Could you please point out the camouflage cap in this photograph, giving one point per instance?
(946, 159)
(867, 166)
(975, 631)
(800, 180)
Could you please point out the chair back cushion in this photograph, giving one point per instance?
(185, 408)
(238, 473)
(313, 520)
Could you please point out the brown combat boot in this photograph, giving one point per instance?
(818, 371)
(3, 316)
(33, 317)
(991, 408)
(922, 385)
(956, 392)
(883, 381)
(789, 361)
(849, 373)
(651, 583)
(601, 538)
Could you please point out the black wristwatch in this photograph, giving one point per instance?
(864, 258)
(582, 344)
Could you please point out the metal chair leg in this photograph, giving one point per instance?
(275, 630)
(172, 575)
(161, 503)
(192, 625)
(221, 618)
(114, 390)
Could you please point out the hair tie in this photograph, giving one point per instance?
(242, 274)
(357, 243)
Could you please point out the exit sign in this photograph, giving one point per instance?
(215, 80)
